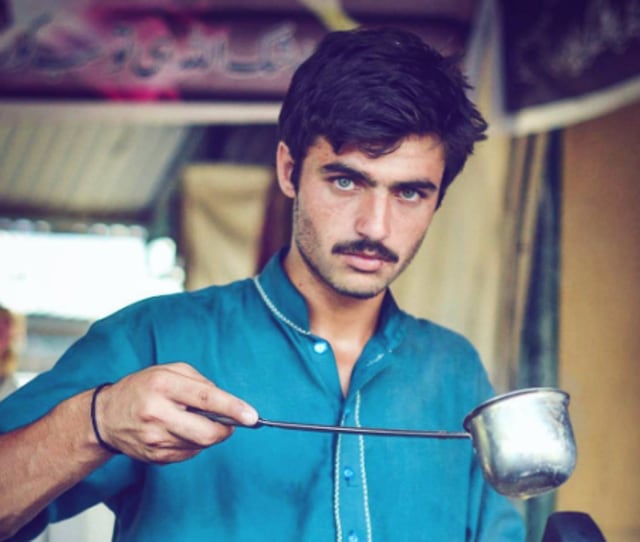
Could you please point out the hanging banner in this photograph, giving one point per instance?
(568, 61)
(167, 50)
(152, 56)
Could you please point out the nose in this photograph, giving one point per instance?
(374, 217)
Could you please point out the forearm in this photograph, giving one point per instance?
(44, 459)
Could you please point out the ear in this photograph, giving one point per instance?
(284, 169)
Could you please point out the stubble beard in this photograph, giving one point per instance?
(306, 238)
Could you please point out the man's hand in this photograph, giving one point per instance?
(145, 415)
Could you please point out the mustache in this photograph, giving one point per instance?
(367, 247)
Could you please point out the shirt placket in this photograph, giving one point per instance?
(351, 502)
(351, 495)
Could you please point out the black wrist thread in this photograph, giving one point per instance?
(94, 422)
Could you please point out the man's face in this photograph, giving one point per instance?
(358, 221)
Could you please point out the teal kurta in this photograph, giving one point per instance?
(251, 339)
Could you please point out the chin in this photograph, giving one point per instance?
(359, 291)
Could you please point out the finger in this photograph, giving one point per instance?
(213, 399)
(195, 431)
(205, 395)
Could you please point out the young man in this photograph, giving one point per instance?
(374, 128)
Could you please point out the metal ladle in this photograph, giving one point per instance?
(523, 439)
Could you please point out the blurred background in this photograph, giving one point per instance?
(137, 145)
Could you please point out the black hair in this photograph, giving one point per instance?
(371, 88)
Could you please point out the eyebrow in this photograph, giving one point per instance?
(343, 169)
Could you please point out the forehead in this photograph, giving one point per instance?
(428, 142)
(412, 157)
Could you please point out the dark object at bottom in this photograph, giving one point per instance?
(571, 527)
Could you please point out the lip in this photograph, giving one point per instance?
(363, 262)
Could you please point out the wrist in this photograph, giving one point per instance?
(96, 417)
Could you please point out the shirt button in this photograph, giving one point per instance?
(353, 537)
(320, 347)
(348, 473)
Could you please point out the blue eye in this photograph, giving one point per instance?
(343, 183)
(409, 194)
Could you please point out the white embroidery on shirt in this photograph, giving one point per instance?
(376, 359)
(336, 492)
(272, 307)
(363, 472)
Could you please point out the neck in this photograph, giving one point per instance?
(344, 320)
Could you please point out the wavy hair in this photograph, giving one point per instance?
(371, 88)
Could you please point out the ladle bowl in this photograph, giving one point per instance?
(524, 441)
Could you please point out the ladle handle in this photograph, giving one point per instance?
(334, 428)
(365, 430)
